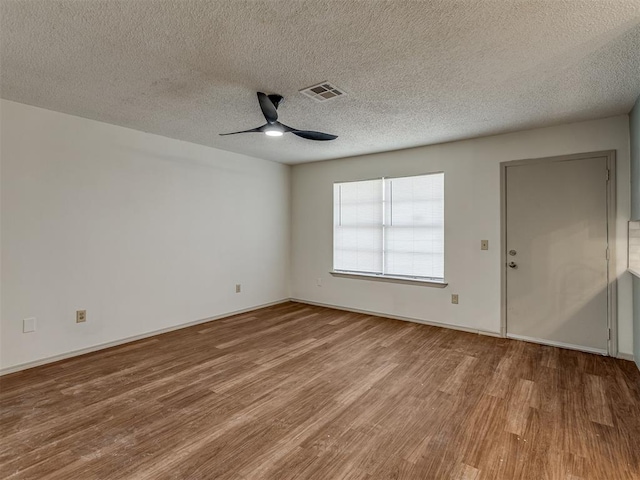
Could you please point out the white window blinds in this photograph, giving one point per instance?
(414, 226)
(357, 232)
(390, 226)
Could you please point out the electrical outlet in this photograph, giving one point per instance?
(238, 287)
(484, 244)
(454, 298)
(28, 325)
(319, 282)
(81, 316)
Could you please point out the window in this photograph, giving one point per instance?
(390, 227)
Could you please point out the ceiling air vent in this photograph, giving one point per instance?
(323, 92)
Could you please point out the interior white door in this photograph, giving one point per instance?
(556, 241)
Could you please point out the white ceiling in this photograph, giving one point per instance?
(416, 72)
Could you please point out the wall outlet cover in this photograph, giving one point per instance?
(454, 298)
(484, 244)
(29, 325)
(238, 287)
(81, 316)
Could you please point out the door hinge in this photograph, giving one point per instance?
(608, 334)
(608, 174)
(608, 254)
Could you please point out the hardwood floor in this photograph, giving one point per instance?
(297, 391)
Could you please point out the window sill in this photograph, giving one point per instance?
(390, 279)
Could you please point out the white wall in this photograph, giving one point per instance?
(634, 132)
(472, 213)
(142, 231)
(148, 233)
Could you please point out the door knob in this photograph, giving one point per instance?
(513, 265)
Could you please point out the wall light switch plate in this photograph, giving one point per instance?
(81, 316)
(454, 298)
(28, 325)
(319, 282)
(238, 287)
(484, 244)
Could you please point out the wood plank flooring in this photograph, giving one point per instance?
(298, 391)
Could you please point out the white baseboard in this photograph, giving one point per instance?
(102, 346)
(398, 317)
(485, 333)
(115, 343)
(551, 343)
(625, 356)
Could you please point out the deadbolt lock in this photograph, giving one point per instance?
(512, 253)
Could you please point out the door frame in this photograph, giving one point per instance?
(612, 284)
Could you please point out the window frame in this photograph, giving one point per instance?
(403, 279)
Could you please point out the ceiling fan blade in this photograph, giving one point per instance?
(268, 108)
(311, 135)
(258, 129)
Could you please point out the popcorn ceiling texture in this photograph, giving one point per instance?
(416, 72)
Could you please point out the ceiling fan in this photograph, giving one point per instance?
(269, 106)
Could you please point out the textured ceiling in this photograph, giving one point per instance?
(416, 72)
